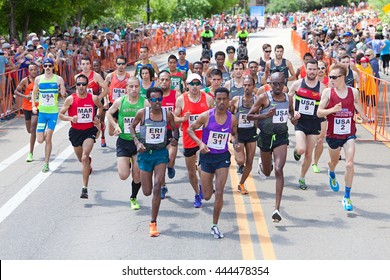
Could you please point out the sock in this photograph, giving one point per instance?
(154, 222)
(135, 189)
(215, 225)
(332, 174)
(302, 179)
(347, 192)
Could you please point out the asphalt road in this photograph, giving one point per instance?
(43, 218)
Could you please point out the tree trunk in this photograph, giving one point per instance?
(13, 32)
(25, 26)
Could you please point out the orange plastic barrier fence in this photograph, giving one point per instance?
(373, 93)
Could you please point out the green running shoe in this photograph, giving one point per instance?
(134, 204)
(45, 168)
(315, 168)
(29, 157)
(302, 184)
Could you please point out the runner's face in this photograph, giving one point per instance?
(145, 74)
(81, 89)
(33, 70)
(85, 65)
(345, 63)
(172, 64)
(279, 53)
(155, 105)
(277, 84)
(198, 69)
(321, 70)
(143, 53)
(133, 88)
(337, 82)
(97, 67)
(164, 81)
(311, 71)
(253, 67)
(121, 65)
(216, 81)
(220, 60)
(221, 101)
(238, 71)
(248, 86)
(194, 89)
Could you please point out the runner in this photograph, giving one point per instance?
(117, 83)
(338, 104)
(307, 94)
(151, 146)
(198, 69)
(255, 74)
(177, 77)
(272, 110)
(96, 86)
(217, 124)
(97, 67)
(280, 64)
(169, 102)
(84, 125)
(47, 86)
(352, 79)
(147, 80)
(188, 108)
(220, 60)
(24, 89)
(247, 132)
(267, 49)
(301, 71)
(215, 80)
(144, 60)
(183, 64)
(236, 84)
(126, 107)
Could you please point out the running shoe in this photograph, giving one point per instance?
(29, 157)
(261, 174)
(347, 204)
(134, 204)
(198, 201)
(276, 216)
(334, 185)
(241, 189)
(315, 168)
(216, 232)
(45, 167)
(90, 165)
(297, 156)
(84, 193)
(302, 184)
(240, 169)
(103, 142)
(153, 232)
(164, 191)
(171, 172)
(200, 192)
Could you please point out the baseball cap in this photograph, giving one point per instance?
(192, 77)
(364, 59)
(35, 38)
(182, 49)
(39, 47)
(5, 46)
(48, 60)
(347, 34)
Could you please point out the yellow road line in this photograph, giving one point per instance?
(258, 214)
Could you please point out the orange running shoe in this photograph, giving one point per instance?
(241, 189)
(153, 230)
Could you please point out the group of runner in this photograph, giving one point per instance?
(211, 106)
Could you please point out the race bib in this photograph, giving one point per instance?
(36, 97)
(192, 119)
(127, 121)
(281, 116)
(169, 108)
(47, 99)
(217, 140)
(243, 122)
(118, 92)
(84, 114)
(306, 106)
(342, 126)
(155, 135)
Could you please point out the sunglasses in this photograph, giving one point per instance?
(154, 99)
(276, 84)
(267, 51)
(181, 53)
(230, 52)
(81, 84)
(195, 83)
(205, 61)
(321, 68)
(120, 63)
(335, 77)
(47, 66)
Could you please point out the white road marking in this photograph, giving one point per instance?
(31, 186)
(23, 151)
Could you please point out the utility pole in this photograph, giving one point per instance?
(148, 11)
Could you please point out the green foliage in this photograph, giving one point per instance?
(378, 5)
(163, 10)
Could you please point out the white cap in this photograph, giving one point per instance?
(192, 77)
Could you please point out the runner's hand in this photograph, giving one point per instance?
(140, 147)
(203, 148)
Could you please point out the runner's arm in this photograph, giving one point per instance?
(322, 112)
(19, 89)
(67, 103)
(99, 112)
(111, 111)
(292, 72)
(99, 80)
(35, 92)
(138, 118)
